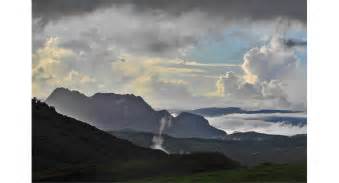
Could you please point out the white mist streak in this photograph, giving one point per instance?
(158, 139)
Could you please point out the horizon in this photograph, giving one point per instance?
(168, 109)
(229, 119)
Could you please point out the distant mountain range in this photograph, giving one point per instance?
(112, 112)
(65, 149)
(295, 121)
(216, 111)
(249, 148)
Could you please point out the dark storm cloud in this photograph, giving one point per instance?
(256, 9)
(49, 10)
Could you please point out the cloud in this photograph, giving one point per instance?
(46, 59)
(48, 10)
(52, 10)
(161, 90)
(151, 35)
(156, 28)
(228, 84)
(269, 62)
(270, 77)
(232, 85)
(136, 46)
(272, 89)
(50, 70)
(164, 83)
(256, 122)
(134, 66)
(159, 80)
(75, 76)
(279, 72)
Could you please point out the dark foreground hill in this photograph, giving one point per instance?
(282, 173)
(65, 149)
(109, 111)
(249, 148)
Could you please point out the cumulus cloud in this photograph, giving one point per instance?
(272, 89)
(232, 85)
(277, 69)
(267, 75)
(269, 62)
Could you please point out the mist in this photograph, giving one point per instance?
(258, 122)
(158, 139)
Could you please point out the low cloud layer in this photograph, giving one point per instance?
(256, 122)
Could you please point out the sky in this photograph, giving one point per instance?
(175, 54)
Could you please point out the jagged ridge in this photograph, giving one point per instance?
(109, 111)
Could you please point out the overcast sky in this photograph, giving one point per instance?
(175, 54)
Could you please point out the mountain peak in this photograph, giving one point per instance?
(64, 92)
(60, 90)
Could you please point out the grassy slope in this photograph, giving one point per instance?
(260, 173)
(249, 152)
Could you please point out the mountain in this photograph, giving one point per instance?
(187, 125)
(295, 121)
(65, 149)
(249, 148)
(215, 111)
(109, 111)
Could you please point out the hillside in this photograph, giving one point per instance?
(249, 148)
(65, 149)
(261, 173)
(109, 111)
